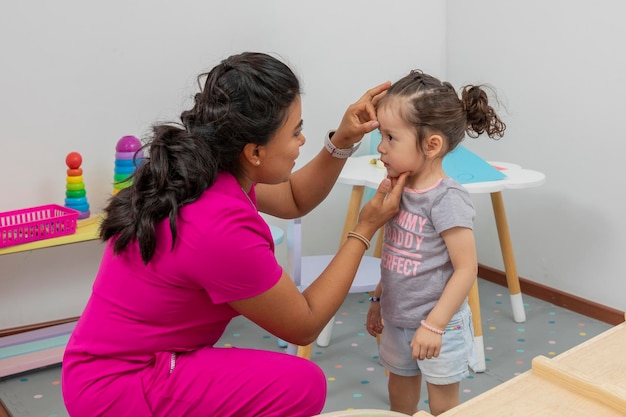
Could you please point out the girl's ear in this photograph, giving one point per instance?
(433, 146)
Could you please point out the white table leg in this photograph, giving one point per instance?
(479, 346)
(517, 305)
(323, 339)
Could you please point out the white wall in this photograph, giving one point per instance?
(76, 76)
(559, 66)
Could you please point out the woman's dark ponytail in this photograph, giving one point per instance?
(178, 169)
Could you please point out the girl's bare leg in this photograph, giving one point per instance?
(404, 393)
(441, 398)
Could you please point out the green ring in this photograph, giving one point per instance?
(120, 177)
(75, 193)
(121, 185)
(75, 187)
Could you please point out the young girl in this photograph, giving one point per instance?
(429, 263)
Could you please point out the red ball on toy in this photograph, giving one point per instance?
(73, 160)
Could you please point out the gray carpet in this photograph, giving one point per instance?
(355, 377)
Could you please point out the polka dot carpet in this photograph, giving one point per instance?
(354, 375)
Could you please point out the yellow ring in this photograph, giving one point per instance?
(74, 179)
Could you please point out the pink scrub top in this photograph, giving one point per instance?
(224, 252)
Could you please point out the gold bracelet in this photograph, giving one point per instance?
(361, 238)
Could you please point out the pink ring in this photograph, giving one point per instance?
(128, 155)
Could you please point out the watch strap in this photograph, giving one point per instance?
(337, 152)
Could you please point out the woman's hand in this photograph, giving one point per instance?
(359, 118)
(382, 207)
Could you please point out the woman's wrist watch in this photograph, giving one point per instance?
(337, 152)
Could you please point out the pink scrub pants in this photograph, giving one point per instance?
(217, 382)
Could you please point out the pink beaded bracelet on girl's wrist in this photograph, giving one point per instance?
(431, 328)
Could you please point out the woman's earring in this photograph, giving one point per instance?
(257, 162)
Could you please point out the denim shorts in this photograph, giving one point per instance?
(457, 351)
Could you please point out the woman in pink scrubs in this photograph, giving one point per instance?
(186, 251)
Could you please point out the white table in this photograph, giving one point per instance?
(360, 173)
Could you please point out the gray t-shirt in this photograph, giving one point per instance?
(415, 265)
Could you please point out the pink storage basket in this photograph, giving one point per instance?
(36, 223)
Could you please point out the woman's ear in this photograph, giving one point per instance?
(433, 145)
(251, 154)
